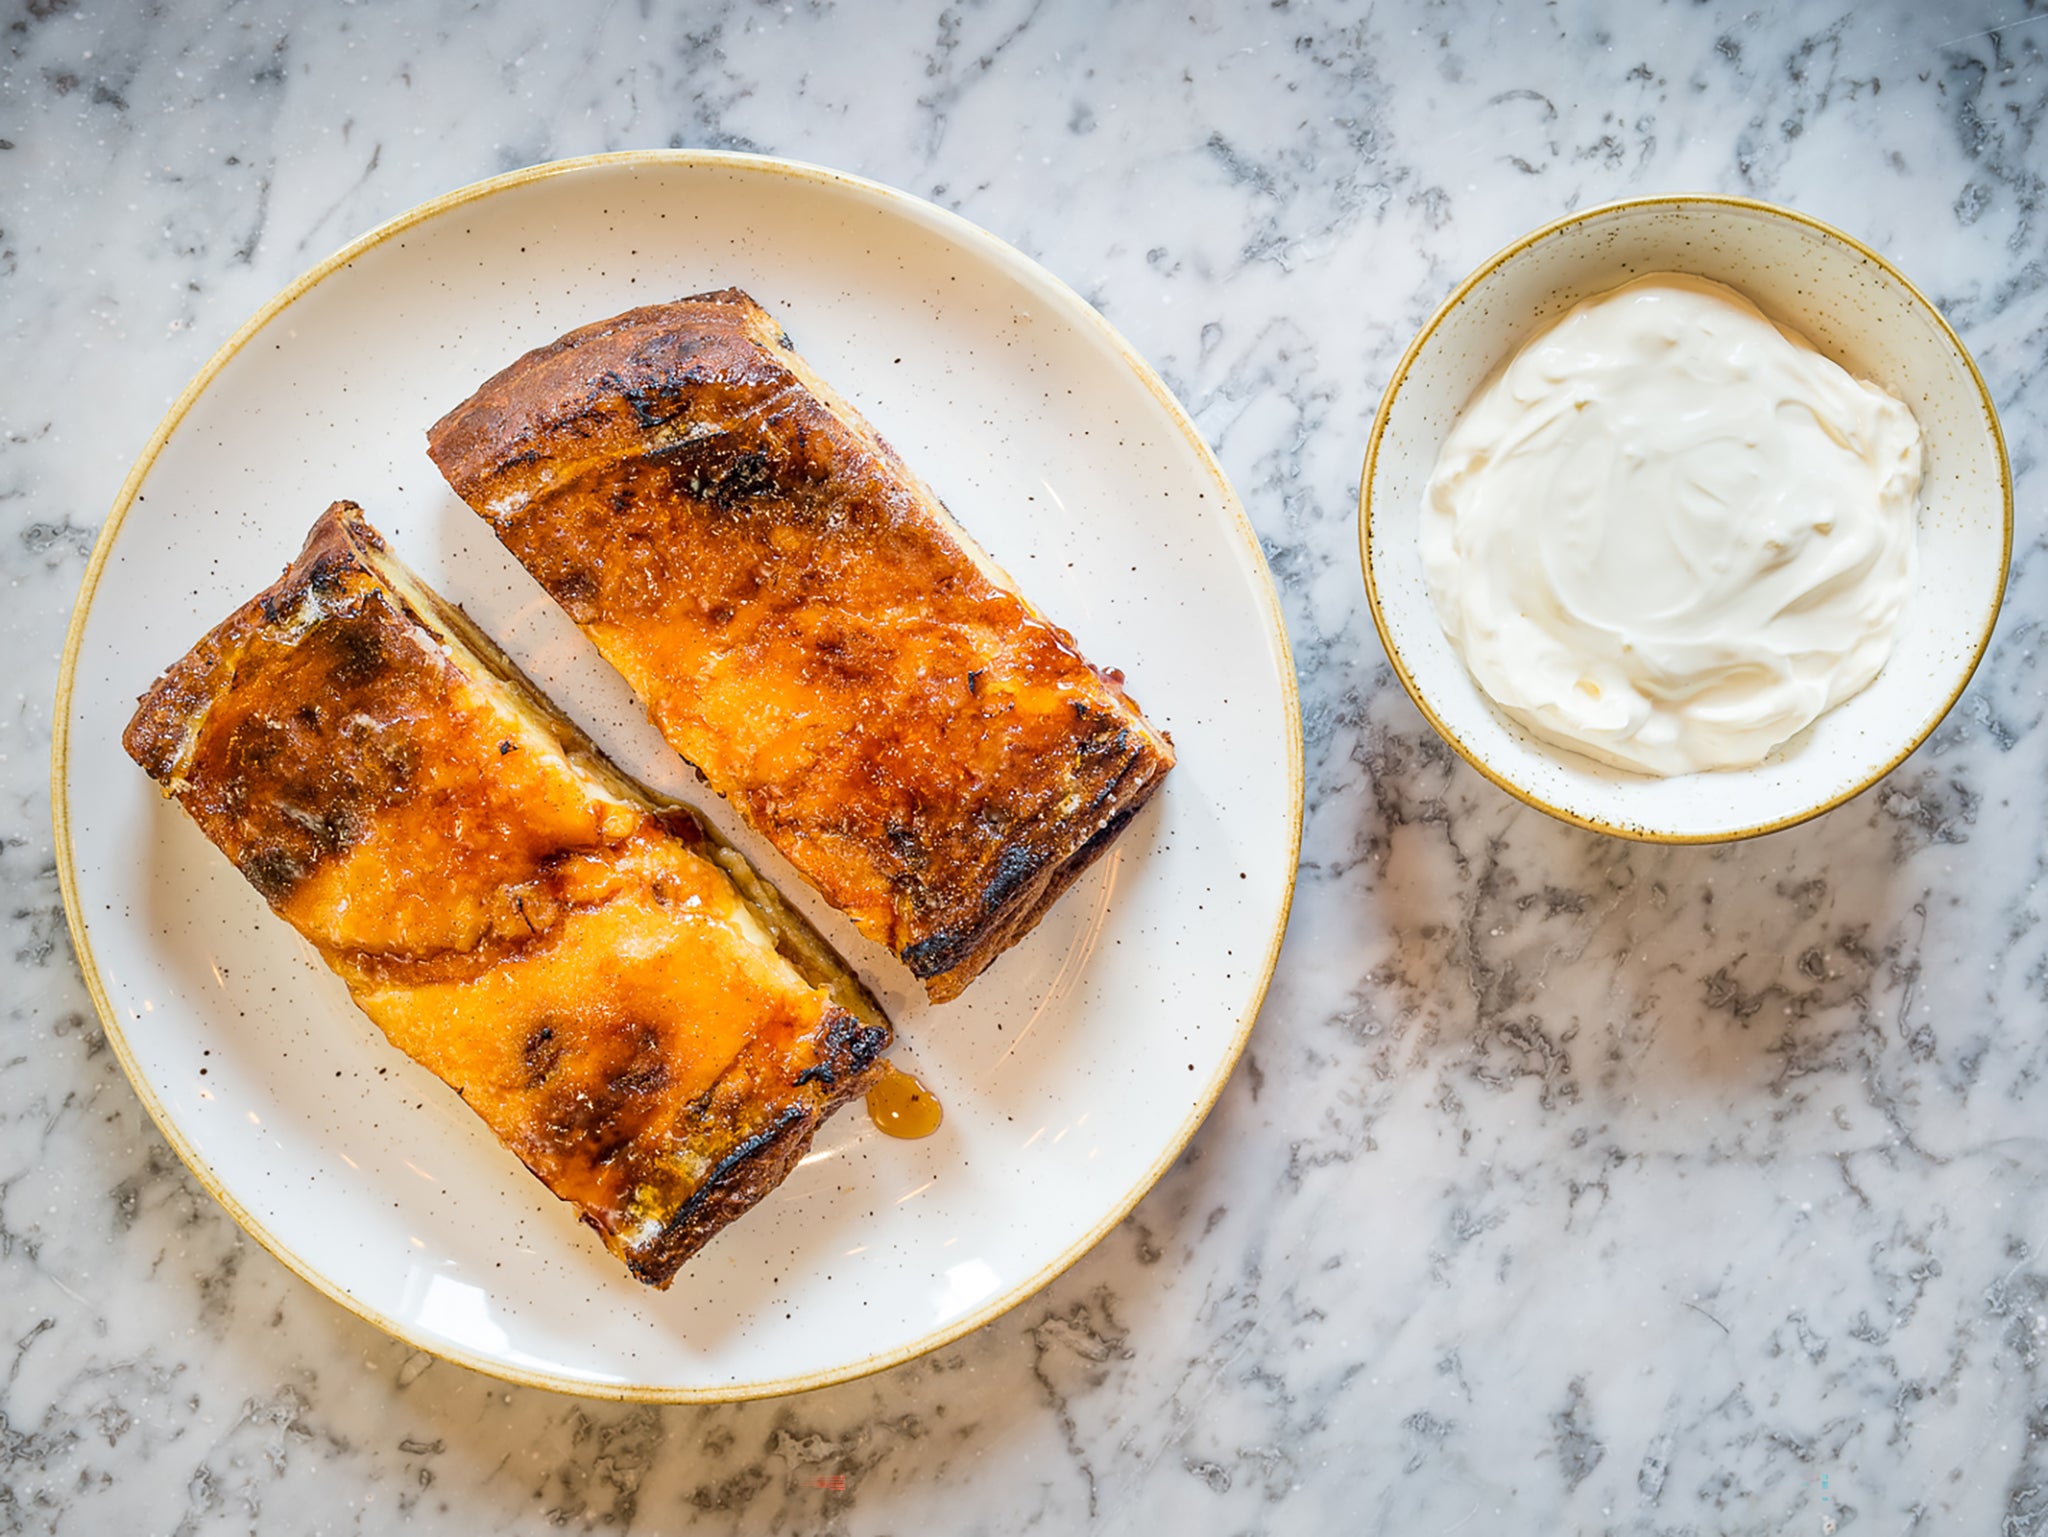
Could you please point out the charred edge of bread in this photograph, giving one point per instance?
(170, 714)
(491, 431)
(739, 1182)
(467, 440)
(975, 950)
(760, 1156)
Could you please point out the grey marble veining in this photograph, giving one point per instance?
(1567, 1184)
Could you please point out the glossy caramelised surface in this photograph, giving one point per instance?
(807, 624)
(515, 916)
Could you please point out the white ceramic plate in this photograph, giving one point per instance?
(1853, 306)
(1071, 1073)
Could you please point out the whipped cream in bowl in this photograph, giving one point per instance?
(1685, 518)
(1669, 534)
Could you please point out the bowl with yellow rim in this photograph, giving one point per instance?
(1858, 310)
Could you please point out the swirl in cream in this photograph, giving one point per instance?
(1669, 534)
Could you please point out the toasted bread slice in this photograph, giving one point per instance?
(807, 624)
(620, 997)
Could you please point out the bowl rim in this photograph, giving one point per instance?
(1399, 377)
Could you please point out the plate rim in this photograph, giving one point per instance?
(1634, 832)
(968, 234)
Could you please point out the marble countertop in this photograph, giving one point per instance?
(1568, 1184)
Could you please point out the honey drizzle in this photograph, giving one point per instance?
(900, 1106)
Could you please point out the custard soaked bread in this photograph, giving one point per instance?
(628, 1007)
(807, 624)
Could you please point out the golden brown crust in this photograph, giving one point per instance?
(476, 873)
(807, 624)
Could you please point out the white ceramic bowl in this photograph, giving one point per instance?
(1855, 307)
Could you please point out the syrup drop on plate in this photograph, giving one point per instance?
(900, 1106)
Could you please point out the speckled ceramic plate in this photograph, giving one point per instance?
(1071, 1073)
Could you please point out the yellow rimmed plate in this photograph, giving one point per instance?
(1071, 1074)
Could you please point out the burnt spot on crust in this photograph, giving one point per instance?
(653, 404)
(1017, 872)
(754, 1166)
(617, 1087)
(751, 1148)
(905, 843)
(576, 590)
(330, 829)
(646, 1072)
(715, 470)
(848, 1049)
(332, 571)
(1018, 863)
(275, 872)
(357, 647)
(940, 952)
(683, 824)
(542, 1054)
(857, 1045)
(1099, 744)
(325, 571)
